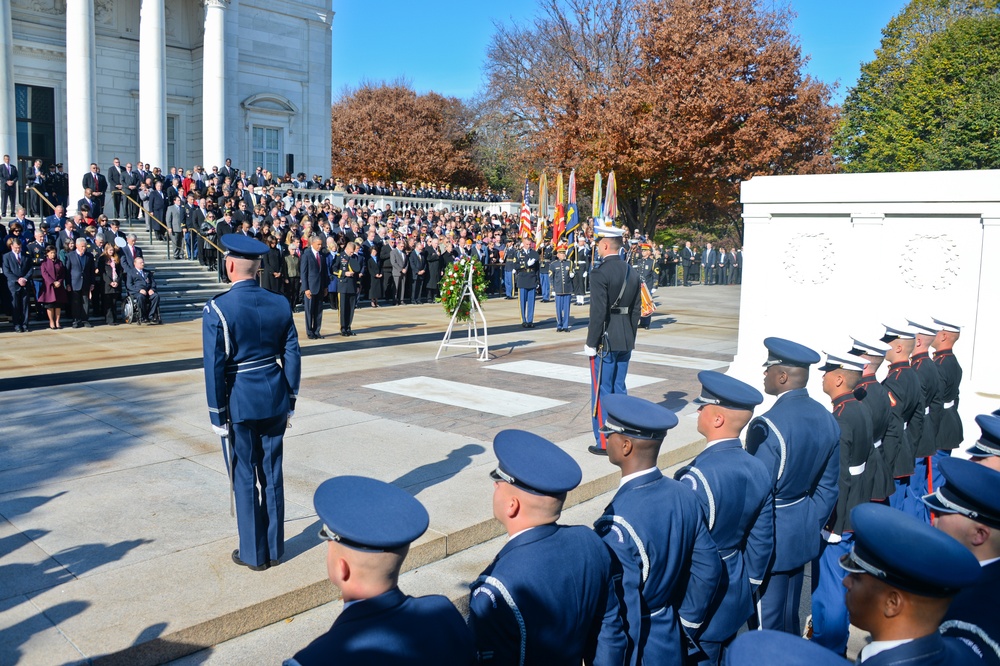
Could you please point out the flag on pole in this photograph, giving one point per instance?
(610, 210)
(597, 196)
(572, 212)
(572, 187)
(559, 189)
(543, 197)
(559, 223)
(525, 228)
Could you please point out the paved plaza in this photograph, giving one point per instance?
(115, 533)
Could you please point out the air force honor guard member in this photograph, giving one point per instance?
(902, 574)
(368, 526)
(615, 306)
(735, 493)
(252, 372)
(776, 648)
(797, 442)
(986, 450)
(670, 567)
(967, 508)
(548, 598)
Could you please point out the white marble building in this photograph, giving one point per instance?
(168, 82)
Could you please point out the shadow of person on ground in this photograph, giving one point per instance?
(22, 505)
(674, 400)
(430, 474)
(19, 633)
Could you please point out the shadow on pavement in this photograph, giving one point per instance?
(430, 474)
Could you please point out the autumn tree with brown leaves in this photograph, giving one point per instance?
(388, 131)
(684, 99)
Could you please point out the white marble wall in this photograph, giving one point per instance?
(831, 255)
(278, 49)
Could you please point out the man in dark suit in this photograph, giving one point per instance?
(687, 258)
(80, 283)
(418, 272)
(368, 526)
(142, 287)
(708, 259)
(17, 267)
(315, 284)
(131, 251)
(228, 171)
(130, 189)
(222, 228)
(157, 205)
(34, 183)
(98, 185)
(8, 186)
(116, 184)
(615, 306)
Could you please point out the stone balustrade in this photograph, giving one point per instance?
(380, 201)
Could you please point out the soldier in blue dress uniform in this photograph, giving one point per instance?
(904, 385)
(368, 526)
(548, 598)
(526, 271)
(562, 285)
(797, 441)
(659, 541)
(252, 372)
(986, 450)
(776, 648)
(902, 575)
(735, 493)
(967, 507)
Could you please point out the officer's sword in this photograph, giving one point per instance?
(227, 454)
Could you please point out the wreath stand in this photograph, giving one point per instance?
(472, 339)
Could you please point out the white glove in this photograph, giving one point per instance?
(589, 351)
(585, 274)
(220, 431)
(572, 274)
(531, 262)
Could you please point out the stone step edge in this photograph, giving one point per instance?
(187, 640)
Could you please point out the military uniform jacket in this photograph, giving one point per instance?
(931, 650)
(670, 568)
(735, 493)
(973, 618)
(797, 441)
(857, 445)
(548, 599)
(509, 259)
(526, 269)
(559, 272)
(648, 272)
(950, 432)
(887, 429)
(904, 385)
(252, 360)
(620, 321)
(930, 383)
(347, 284)
(392, 628)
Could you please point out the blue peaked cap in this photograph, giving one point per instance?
(786, 352)
(635, 417)
(534, 463)
(725, 391)
(367, 514)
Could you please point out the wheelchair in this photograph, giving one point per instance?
(130, 309)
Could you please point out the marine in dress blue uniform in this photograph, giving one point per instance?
(736, 500)
(368, 526)
(252, 373)
(950, 433)
(797, 440)
(777, 648)
(887, 428)
(967, 507)
(902, 574)
(904, 385)
(526, 269)
(858, 463)
(659, 541)
(925, 476)
(615, 307)
(548, 597)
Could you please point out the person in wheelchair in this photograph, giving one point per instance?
(142, 287)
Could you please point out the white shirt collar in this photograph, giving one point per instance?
(517, 534)
(634, 475)
(985, 563)
(716, 441)
(873, 648)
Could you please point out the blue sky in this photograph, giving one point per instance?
(440, 45)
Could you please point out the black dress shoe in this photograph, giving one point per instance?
(87, 324)
(593, 448)
(318, 336)
(273, 563)
(530, 325)
(310, 336)
(251, 567)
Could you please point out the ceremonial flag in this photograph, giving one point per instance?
(611, 200)
(572, 220)
(543, 197)
(559, 189)
(597, 196)
(559, 224)
(525, 228)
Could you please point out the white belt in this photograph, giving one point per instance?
(905, 424)
(857, 469)
(878, 443)
(927, 410)
(949, 405)
(782, 506)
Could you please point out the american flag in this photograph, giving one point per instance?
(525, 228)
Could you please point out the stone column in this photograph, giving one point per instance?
(213, 95)
(153, 84)
(81, 88)
(8, 112)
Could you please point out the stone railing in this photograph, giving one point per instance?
(379, 202)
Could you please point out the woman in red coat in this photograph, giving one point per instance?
(53, 287)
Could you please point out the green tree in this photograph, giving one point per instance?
(866, 138)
